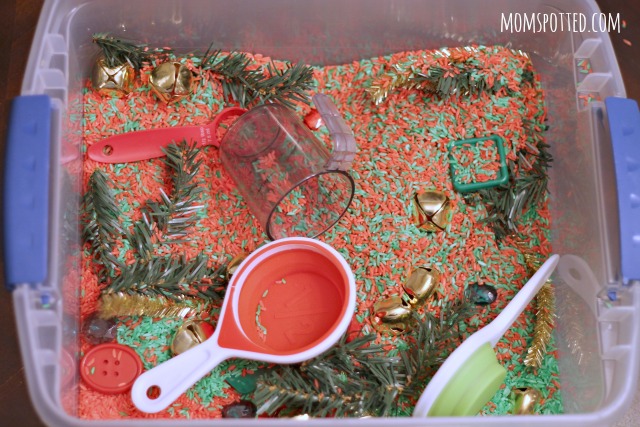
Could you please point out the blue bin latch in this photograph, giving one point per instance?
(26, 191)
(624, 126)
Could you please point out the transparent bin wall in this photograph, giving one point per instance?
(596, 340)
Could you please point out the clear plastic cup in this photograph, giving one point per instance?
(289, 180)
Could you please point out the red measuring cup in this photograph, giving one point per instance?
(148, 144)
(288, 302)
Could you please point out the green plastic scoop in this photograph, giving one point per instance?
(471, 375)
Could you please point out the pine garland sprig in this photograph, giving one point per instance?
(462, 76)
(398, 76)
(345, 381)
(358, 378)
(172, 277)
(174, 214)
(287, 86)
(247, 85)
(141, 237)
(118, 51)
(435, 338)
(238, 79)
(456, 80)
(527, 187)
(101, 219)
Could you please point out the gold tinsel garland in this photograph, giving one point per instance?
(399, 76)
(545, 320)
(121, 304)
(446, 82)
(545, 312)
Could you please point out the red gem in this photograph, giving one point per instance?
(313, 120)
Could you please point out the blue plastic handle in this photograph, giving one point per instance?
(624, 126)
(26, 191)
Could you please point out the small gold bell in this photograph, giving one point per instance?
(524, 400)
(422, 283)
(233, 265)
(431, 210)
(106, 79)
(190, 334)
(392, 315)
(171, 81)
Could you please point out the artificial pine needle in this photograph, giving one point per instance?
(118, 52)
(358, 378)
(101, 222)
(166, 276)
(248, 86)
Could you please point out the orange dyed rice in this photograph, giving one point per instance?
(399, 153)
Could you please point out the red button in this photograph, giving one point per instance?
(110, 368)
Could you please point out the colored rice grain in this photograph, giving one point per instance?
(262, 331)
(402, 148)
(476, 163)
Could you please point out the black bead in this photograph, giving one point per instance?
(242, 409)
(483, 294)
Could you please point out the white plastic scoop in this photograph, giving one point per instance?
(471, 375)
(287, 302)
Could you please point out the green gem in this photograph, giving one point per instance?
(483, 294)
(244, 384)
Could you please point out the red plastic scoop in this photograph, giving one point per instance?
(288, 302)
(148, 144)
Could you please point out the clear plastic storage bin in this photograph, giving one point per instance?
(595, 208)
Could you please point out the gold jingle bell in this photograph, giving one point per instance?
(171, 81)
(112, 80)
(233, 265)
(422, 283)
(524, 400)
(190, 334)
(392, 315)
(431, 210)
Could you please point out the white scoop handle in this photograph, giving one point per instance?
(501, 324)
(176, 375)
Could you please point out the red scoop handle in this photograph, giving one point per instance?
(148, 144)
